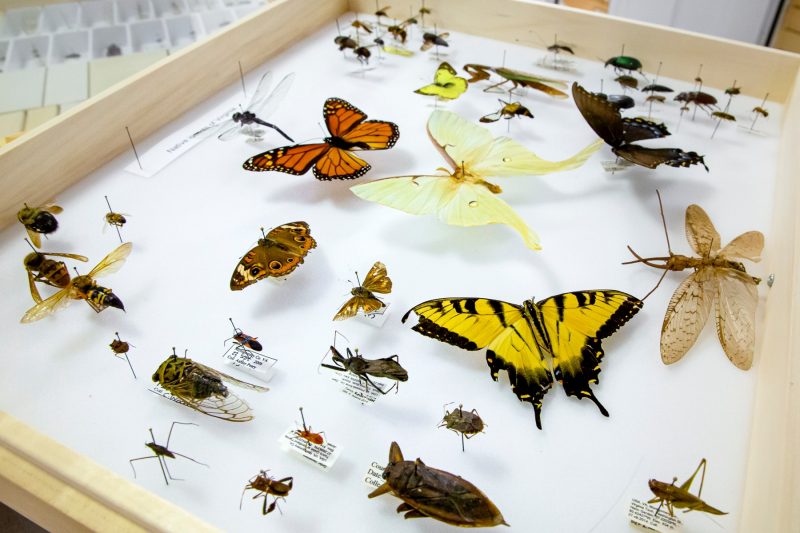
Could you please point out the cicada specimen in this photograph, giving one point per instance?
(244, 339)
(308, 435)
(718, 279)
(363, 296)
(202, 388)
(39, 220)
(84, 287)
(163, 452)
(680, 497)
(428, 492)
(121, 348)
(387, 367)
(266, 486)
(47, 271)
(115, 219)
(467, 423)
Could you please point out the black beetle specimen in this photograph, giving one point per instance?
(432, 493)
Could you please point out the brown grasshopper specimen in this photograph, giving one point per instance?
(680, 497)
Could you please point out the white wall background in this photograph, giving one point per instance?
(743, 20)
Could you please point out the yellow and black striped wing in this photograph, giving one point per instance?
(475, 323)
(574, 324)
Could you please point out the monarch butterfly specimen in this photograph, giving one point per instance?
(537, 343)
(363, 296)
(332, 159)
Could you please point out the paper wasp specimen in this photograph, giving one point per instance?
(428, 492)
(162, 453)
(680, 497)
(47, 271)
(266, 486)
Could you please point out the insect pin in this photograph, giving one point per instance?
(120, 347)
(163, 452)
(387, 367)
(680, 497)
(38, 221)
(48, 271)
(429, 492)
(244, 339)
(467, 423)
(115, 219)
(307, 435)
(266, 486)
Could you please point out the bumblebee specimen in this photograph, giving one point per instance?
(428, 492)
(387, 367)
(47, 271)
(120, 347)
(266, 486)
(467, 423)
(680, 497)
(201, 388)
(244, 339)
(163, 452)
(308, 435)
(39, 221)
(85, 288)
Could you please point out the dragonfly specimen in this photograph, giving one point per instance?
(261, 106)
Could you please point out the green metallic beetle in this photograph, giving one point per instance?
(432, 493)
(625, 63)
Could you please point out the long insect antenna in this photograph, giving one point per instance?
(657, 285)
(663, 221)
(647, 261)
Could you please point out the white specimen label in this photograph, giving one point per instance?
(322, 455)
(256, 364)
(374, 476)
(643, 514)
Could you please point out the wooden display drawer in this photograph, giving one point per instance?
(62, 490)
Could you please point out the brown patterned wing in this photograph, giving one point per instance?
(377, 279)
(282, 251)
(736, 315)
(686, 315)
(351, 306)
(700, 231)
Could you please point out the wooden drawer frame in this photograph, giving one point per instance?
(58, 488)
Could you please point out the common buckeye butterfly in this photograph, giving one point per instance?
(278, 253)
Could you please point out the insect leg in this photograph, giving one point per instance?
(171, 427)
(462, 442)
(165, 469)
(139, 459)
(187, 457)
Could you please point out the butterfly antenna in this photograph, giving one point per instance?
(241, 77)
(134, 148)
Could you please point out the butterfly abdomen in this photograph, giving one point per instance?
(343, 144)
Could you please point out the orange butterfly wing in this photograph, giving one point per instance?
(295, 159)
(333, 158)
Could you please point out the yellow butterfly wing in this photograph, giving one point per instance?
(463, 142)
(475, 323)
(573, 325)
(686, 314)
(455, 202)
(446, 84)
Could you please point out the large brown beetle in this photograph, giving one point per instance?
(432, 493)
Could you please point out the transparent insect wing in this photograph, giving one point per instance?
(746, 246)
(737, 298)
(264, 106)
(113, 261)
(232, 131)
(230, 379)
(49, 306)
(262, 90)
(686, 315)
(700, 231)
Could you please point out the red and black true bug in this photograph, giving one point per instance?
(244, 339)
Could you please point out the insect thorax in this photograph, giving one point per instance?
(361, 292)
(118, 346)
(205, 385)
(343, 144)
